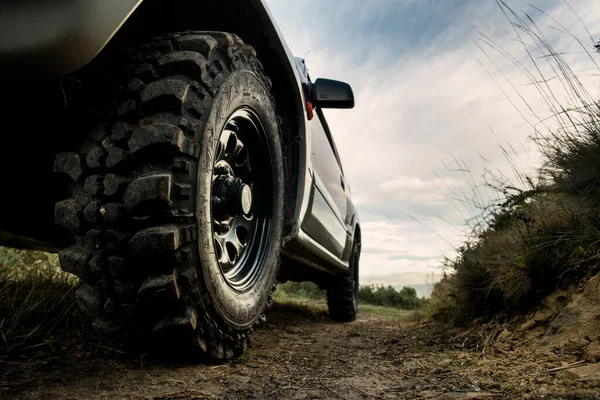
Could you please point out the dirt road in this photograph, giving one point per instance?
(303, 355)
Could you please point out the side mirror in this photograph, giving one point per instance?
(328, 93)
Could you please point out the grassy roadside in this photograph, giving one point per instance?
(319, 306)
(36, 299)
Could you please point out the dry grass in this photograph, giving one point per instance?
(36, 297)
(549, 242)
(539, 235)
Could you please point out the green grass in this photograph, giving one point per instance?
(319, 306)
(389, 312)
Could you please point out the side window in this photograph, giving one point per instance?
(322, 151)
(325, 128)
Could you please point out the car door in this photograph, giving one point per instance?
(326, 217)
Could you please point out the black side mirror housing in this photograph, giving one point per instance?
(328, 93)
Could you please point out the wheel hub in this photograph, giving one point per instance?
(243, 197)
(232, 197)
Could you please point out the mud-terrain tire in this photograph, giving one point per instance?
(189, 152)
(342, 291)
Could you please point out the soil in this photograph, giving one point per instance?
(576, 326)
(301, 354)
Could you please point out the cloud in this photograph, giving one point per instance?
(419, 190)
(427, 98)
(404, 246)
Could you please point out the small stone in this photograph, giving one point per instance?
(527, 325)
(591, 352)
(574, 346)
(542, 315)
(505, 334)
(590, 372)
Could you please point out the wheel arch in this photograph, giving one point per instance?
(357, 239)
(357, 234)
(253, 23)
(358, 242)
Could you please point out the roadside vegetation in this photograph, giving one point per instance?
(373, 295)
(382, 301)
(544, 232)
(36, 299)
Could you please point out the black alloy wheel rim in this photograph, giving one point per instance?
(242, 199)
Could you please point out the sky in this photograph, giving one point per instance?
(440, 90)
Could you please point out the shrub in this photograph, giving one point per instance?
(527, 251)
(371, 294)
(36, 297)
(442, 305)
(388, 296)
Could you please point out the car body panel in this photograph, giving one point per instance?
(322, 224)
(325, 221)
(60, 35)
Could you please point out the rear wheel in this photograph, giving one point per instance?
(177, 205)
(342, 291)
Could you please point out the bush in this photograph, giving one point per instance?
(36, 297)
(442, 305)
(527, 251)
(371, 294)
(388, 296)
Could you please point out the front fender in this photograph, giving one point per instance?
(42, 39)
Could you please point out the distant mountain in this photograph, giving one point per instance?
(422, 282)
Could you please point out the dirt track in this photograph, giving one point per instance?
(303, 355)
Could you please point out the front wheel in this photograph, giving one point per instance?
(177, 205)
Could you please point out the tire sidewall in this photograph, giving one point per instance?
(238, 309)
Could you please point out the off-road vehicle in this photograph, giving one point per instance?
(176, 156)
